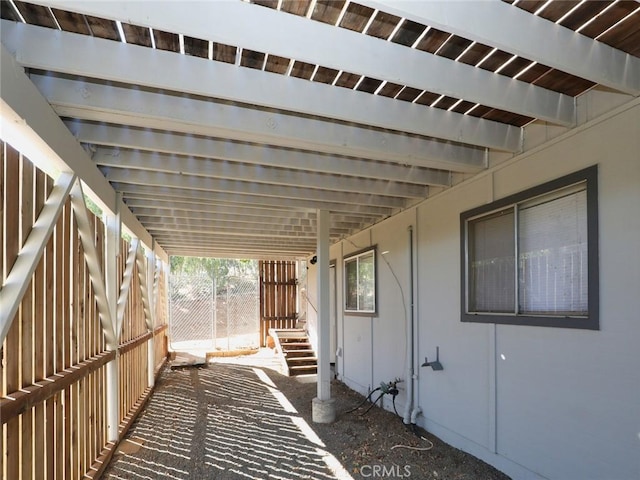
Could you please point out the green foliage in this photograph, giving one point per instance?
(92, 207)
(216, 268)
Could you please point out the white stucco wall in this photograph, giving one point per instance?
(536, 402)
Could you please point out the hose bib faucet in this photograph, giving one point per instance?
(435, 365)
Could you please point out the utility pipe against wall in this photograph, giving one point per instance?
(408, 416)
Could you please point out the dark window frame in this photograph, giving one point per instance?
(588, 322)
(355, 255)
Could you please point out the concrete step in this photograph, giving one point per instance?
(295, 346)
(303, 370)
(299, 353)
(302, 361)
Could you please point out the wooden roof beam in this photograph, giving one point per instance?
(302, 39)
(133, 161)
(214, 185)
(513, 30)
(190, 145)
(64, 52)
(111, 104)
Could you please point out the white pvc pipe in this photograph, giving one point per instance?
(408, 417)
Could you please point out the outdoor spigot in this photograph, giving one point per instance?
(435, 365)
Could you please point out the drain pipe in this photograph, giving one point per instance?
(409, 412)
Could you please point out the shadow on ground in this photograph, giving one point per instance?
(239, 418)
(221, 421)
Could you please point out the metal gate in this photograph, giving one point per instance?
(205, 314)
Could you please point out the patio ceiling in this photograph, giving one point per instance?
(224, 125)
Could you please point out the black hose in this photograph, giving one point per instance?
(368, 397)
(372, 404)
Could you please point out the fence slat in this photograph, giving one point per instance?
(39, 340)
(278, 290)
(53, 402)
(27, 317)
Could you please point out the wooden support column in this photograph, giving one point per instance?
(323, 407)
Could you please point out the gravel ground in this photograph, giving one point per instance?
(238, 418)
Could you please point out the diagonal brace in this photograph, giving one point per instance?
(18, 279)
(94, 265)
(126, 284)
(144, 289)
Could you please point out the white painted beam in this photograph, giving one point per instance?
(150, 216)
(315, 42)
(462, 160)
(58, 51)
(132, 161)
(36, 124)
(211, 185)
(114, 104)
(239, 244)
(222, 229)
(167, 210)
(18, 279)
(206, 228)
(231, 253)
(163, 208)
(240, 199)
(518, 32)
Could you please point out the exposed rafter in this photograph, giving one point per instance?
(212, 153)
(159, 179)
(111, 104)
(149, 214)
(21, 99)
(190, 145)
(133, 161)
(240, 198)
(47, 49)
(314, 42)
(513, 30)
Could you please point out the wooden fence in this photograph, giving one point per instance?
(278, 296)
(54, 405)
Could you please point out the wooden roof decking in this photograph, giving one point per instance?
(361, 108)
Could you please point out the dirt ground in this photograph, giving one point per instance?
(379, 437)
(238, 418)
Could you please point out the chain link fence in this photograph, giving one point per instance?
(212, 315)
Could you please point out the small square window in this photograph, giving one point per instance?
(532, 258)
(360, 282)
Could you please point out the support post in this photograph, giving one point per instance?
(112, 246)
(323, 406)
(151, 292)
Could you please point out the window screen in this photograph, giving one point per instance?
(532, 258)
(360, 282)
